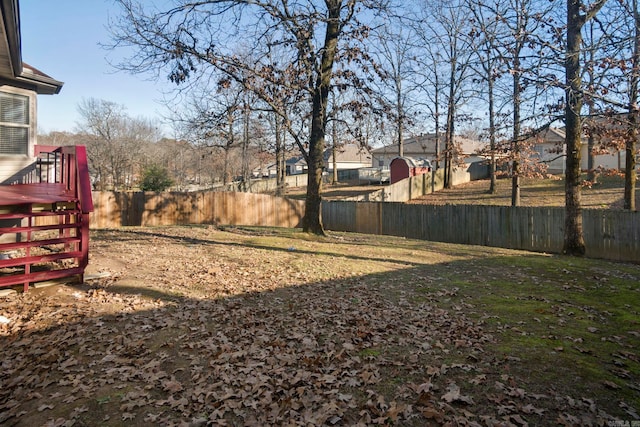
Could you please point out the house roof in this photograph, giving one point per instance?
(13, 70)
(422, 145)
(348, 153)
(298, 160)
(551, 136)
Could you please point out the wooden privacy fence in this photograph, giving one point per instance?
(420, 185)
(113, 209)
(608, 234)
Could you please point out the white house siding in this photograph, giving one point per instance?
(556, 161)
(614, 160)
(348, 165)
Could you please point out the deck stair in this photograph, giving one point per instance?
(44, 222)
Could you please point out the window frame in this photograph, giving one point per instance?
(21, 148)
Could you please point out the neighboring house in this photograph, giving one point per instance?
(424, 147)
(296, 165)
(268, 171)
(349, 156)
(551, 149)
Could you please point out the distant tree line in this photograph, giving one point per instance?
(129, 153)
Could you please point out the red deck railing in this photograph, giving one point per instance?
(66, 165)
(56, 199)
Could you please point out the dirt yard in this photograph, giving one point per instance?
(195, 326)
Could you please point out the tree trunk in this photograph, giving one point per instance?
(515, 171)
(492, 134)
(437, 120)
(312, 220)
(400, 116)
(334, 153)
(280, 161)
(630, 176)
(573, 234)
(246, 173)
(591, 163)
(225, 167)
(230, 141)
(448, 151)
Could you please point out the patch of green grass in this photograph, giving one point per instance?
(369, 352)
(573, 321)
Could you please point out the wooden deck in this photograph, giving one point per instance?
(44, 226)
(45, 193)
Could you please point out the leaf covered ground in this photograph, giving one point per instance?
(205, 326)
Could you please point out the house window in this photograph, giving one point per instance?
(14, 123)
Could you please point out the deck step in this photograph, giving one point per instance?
(40, 276)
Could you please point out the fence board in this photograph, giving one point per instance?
(153, 209)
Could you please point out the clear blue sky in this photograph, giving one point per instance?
(61, 38)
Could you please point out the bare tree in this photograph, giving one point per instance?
(485, 39)
(445, 25)
(212, 119)
(394, 50)
(432, 76)
(521, 50)
(192, 39)
(114, 142)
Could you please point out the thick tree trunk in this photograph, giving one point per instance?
(312, 220)
(573, 234)
(450, 132)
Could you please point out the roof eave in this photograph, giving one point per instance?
(23, 75)
(43, 85)
(11, 18)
